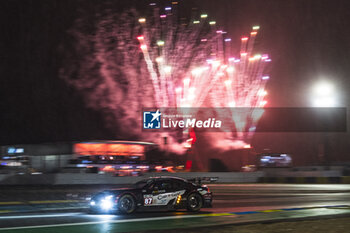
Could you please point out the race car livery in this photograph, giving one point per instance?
(156, 192)
(161, 199)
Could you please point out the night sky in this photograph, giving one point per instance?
(307, 40)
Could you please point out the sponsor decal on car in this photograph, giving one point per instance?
(161, 199)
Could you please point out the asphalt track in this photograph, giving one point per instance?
(233, 203)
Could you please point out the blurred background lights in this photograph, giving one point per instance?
(324, 89)
(323, 95)
(160, 42)
(142, 20)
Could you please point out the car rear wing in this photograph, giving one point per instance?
(200, 180)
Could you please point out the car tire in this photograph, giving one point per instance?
(194, 202)
(126, 204)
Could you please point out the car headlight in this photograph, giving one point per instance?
(107, 203)
(92, 203)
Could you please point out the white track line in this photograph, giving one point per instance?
(39, 216)
(106, 221)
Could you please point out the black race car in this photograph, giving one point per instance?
(153, 193)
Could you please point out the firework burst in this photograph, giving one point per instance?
(160, 60)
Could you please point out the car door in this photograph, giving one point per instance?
(158, 194)
(179, 189)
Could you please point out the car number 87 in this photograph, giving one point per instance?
(148, 200)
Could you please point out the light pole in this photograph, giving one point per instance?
(324, 96)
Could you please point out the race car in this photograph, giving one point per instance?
(153, 193)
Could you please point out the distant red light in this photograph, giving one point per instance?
(192, 135)
(188, 165)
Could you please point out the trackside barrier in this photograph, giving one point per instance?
(205, 177)
(100, 179)
(306, 180)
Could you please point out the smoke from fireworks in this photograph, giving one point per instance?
(127, 61)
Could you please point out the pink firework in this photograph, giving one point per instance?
(131, 61)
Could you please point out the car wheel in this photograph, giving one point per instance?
(194, 202)
(126, 204)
